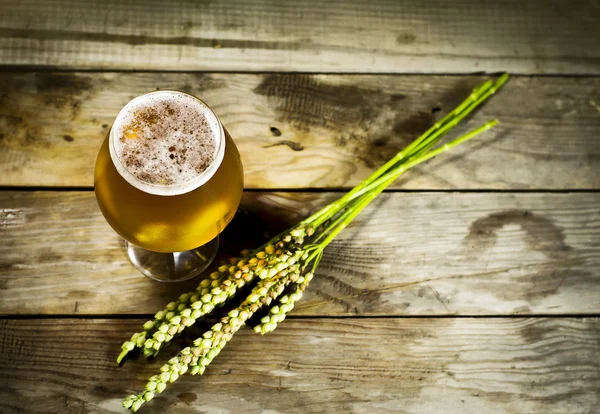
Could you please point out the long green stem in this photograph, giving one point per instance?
(461, 112)
(441, 128)
(369, 193)
(351, 214)
(394, 174)
(334, 223)
(432, 132)
(425, 141)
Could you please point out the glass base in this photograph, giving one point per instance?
(173, 267)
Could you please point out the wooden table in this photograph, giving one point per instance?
(471, 287)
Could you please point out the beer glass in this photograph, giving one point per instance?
(169, 210)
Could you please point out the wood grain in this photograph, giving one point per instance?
(465, 366)
(534, 37)
(307, 131)
(409, 254)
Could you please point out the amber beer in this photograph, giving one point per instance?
(168, 177)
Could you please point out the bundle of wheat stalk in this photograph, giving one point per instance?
(279, 271)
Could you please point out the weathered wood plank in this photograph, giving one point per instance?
(427, 365)
(311, 36)
(410, 254)
(300, 131)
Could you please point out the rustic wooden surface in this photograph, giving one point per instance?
(534, 36)
(431, 365)
(481, 296)
(418, 254)
(307, 131)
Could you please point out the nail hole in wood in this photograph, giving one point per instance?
(275, 131)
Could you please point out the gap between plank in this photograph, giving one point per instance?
(59, 69)
(337, 190)
(299, 317)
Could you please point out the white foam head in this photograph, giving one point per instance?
(166, 143)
